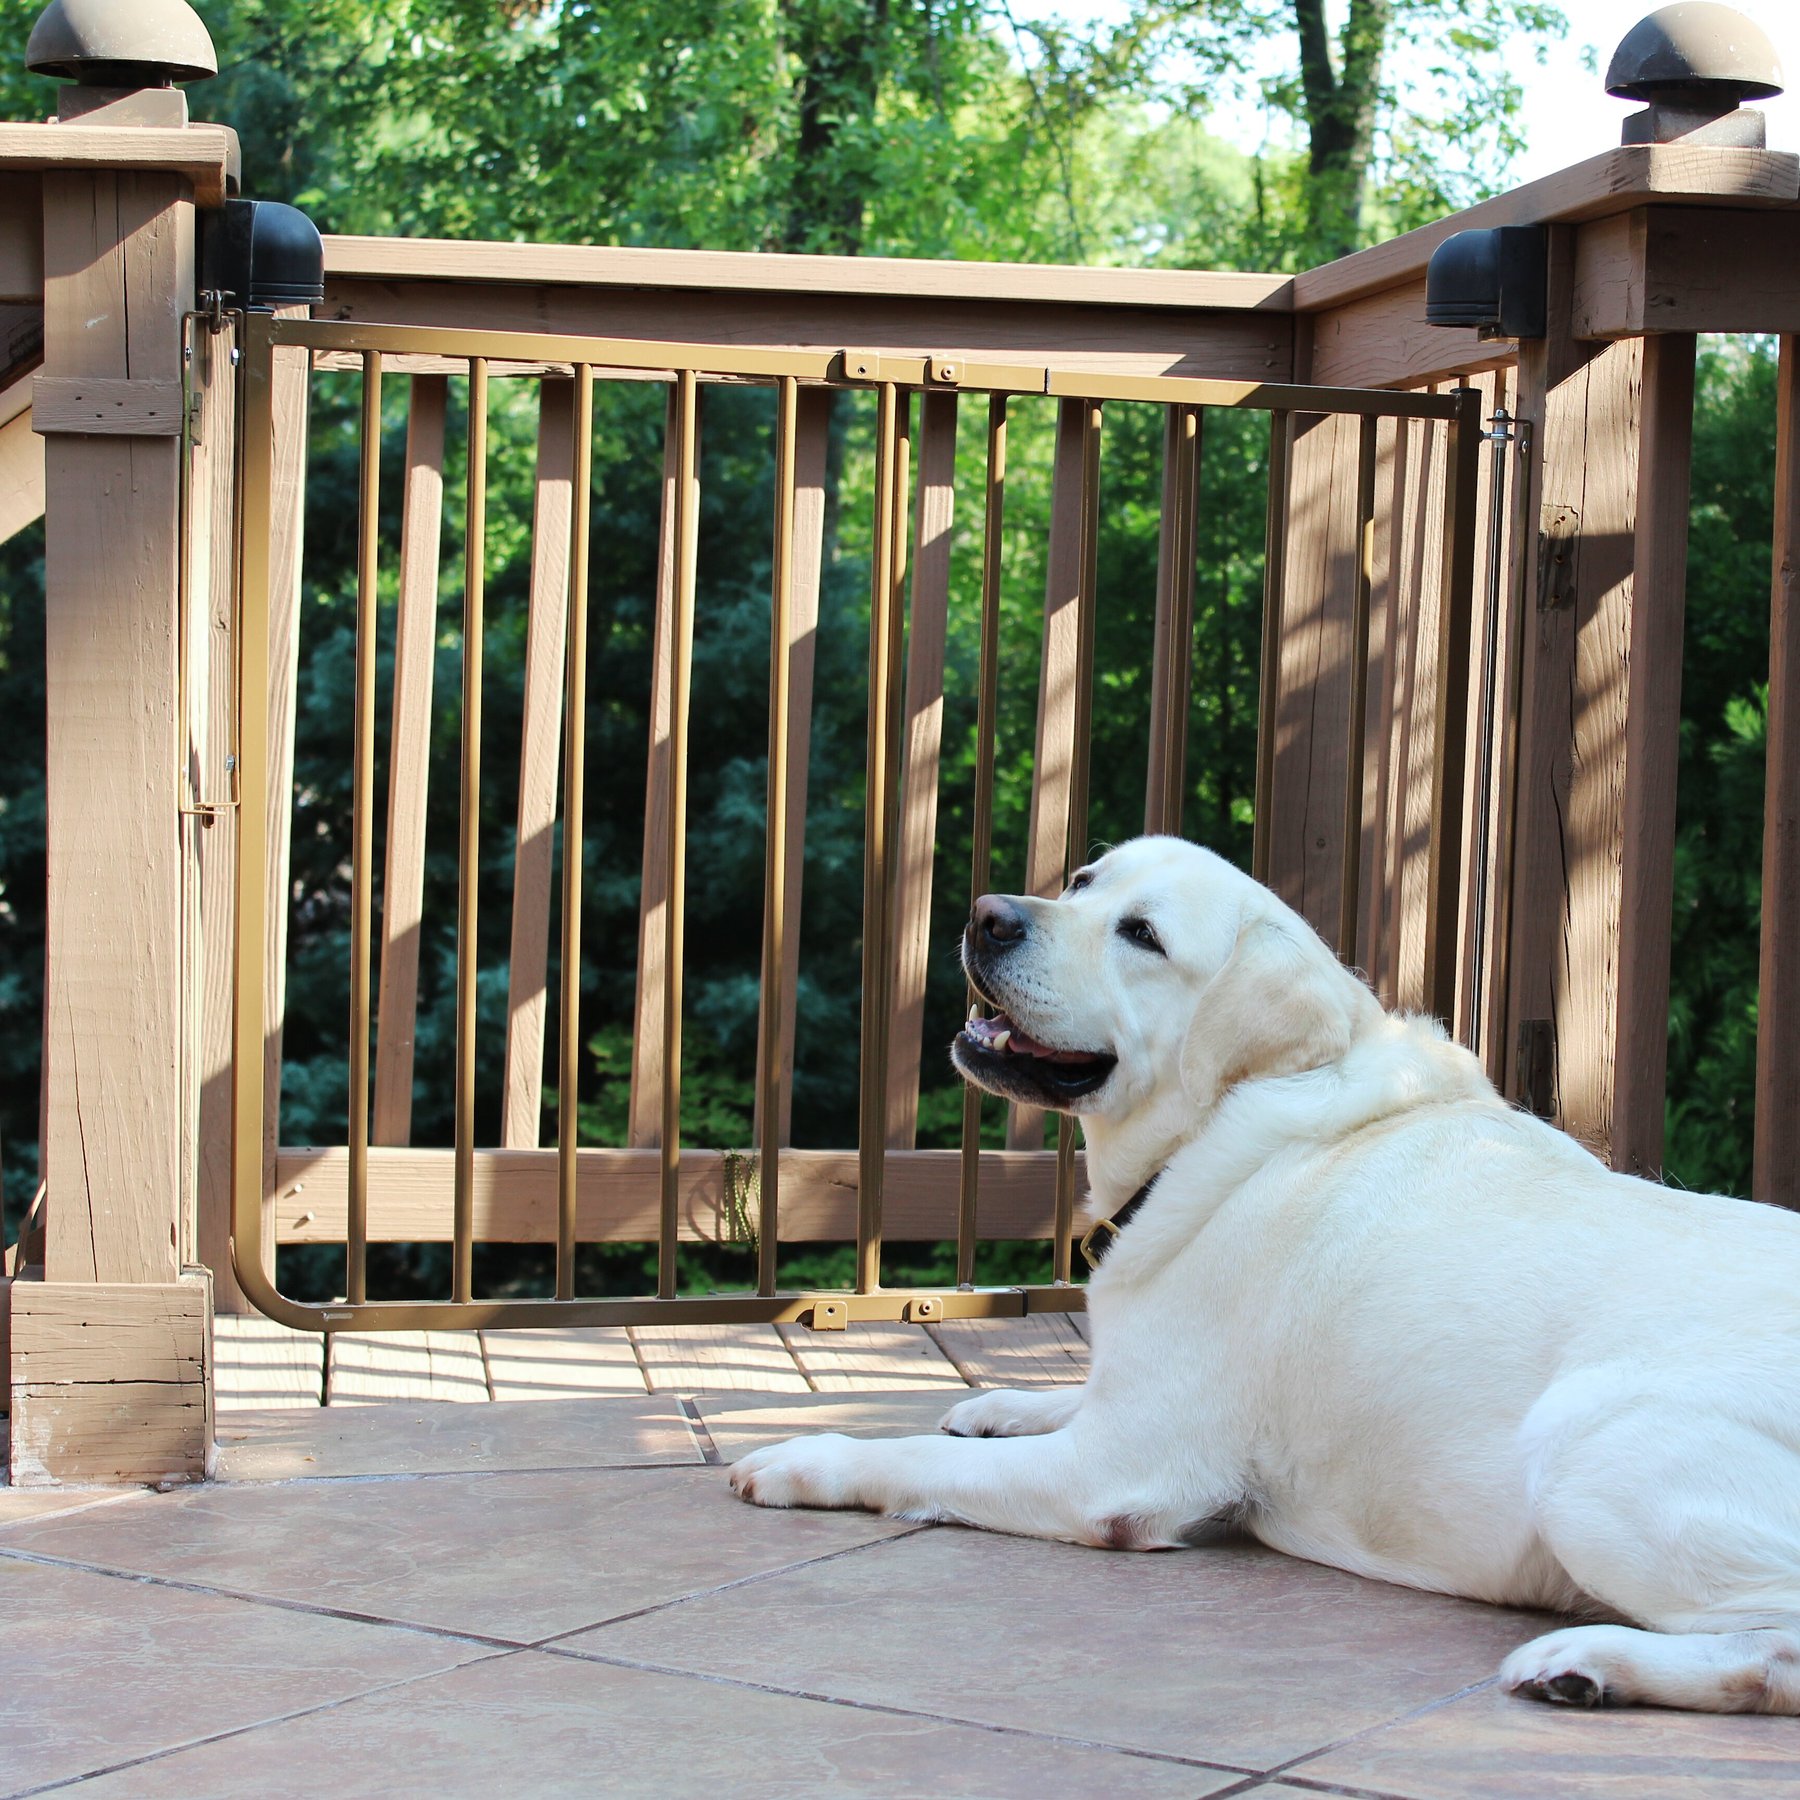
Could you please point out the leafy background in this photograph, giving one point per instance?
(943, 128)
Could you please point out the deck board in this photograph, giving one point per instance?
(366, 1367)
(565, 1364)
(261, 1364)
(871, 1356)
(711, 1359)
(257, 1363)
(1042, 1350)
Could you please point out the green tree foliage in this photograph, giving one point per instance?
(1724, 716)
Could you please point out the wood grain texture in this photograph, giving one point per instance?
(22, 239)
(1415, 725)
(1692, 269)
(260, 1366)
(1230, 345)
(368, 1367)
(573, 1363)
(922, 728)
(539, 755)
(106, 406)
(1615, 181)
(1646, 826)
(118, 271)
(1776, 1176)
(193, 155)
(1575, 747)
(1501, 611)
(811, 451)
(1378, 717)
(1384, 340)
(697, 1359)
(515, 1195)
(1053, 767)
(1306, 827)
(1042, 1350)
(111, 1382)
(871, 1356)
(409, 760)
(21, 476)
(579, 265)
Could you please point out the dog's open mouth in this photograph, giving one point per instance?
(999, 1056)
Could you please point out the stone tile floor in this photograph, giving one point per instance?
(561, 1597)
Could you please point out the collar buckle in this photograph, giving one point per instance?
(1091, 1249)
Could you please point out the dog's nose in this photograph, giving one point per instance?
(996, 923)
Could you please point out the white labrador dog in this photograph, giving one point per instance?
(1367, 1313)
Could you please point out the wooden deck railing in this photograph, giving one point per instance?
(1570, 843)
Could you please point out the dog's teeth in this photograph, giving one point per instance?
(974, 1014)
(1000, 1040)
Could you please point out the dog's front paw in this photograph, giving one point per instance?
(993, 1414)
(809, 1471)
(1006, 1412)
(1578, 1666)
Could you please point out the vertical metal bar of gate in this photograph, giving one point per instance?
(1456, 596)
(981, 860)
(687, 539)
(469, 833)
(568, 1060)
(877, 848)
(362, 833)
(775, 850)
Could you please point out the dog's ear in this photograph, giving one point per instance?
(1273, 1009)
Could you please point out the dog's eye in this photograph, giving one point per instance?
(1080, 881)
(1139, 932)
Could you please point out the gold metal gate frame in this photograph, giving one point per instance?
(684, 365)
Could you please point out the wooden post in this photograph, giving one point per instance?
(1600, 694)
(111, 1352)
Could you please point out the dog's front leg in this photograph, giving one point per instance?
(1051, 1486)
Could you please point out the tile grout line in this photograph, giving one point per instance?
(1262, 1783)
(238, 1482)
(886, 1710)
(724, 1587)
(317, 1609)
(1283, 1771)
(236, 1731)
(69, 1511)
(279, 1602)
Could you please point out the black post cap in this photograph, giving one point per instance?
(262, 254)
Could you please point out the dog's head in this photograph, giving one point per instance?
(1160, 979)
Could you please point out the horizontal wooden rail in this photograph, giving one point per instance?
(891, 277)
(618, 1195)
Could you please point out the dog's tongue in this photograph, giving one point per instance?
(1019, 1043)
